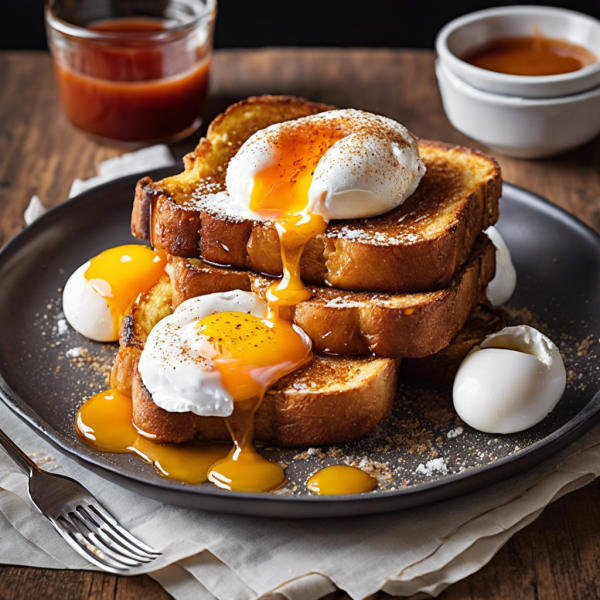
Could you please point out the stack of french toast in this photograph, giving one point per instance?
(402, 294)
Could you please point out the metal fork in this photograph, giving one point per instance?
(79, 519)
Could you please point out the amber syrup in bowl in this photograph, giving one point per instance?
(533, 55)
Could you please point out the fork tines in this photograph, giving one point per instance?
(99, 538)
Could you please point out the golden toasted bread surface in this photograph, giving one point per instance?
(416, 247)
(360, 323)
(329, 400)
(165, 212)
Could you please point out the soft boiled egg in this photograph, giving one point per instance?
(510, 382)
(100, 292)
(219, 349)
(216, 353)
(340, 164)
(300, 174)
(502, 287)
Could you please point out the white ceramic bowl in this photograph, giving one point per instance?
(519, 127)
(465, 34)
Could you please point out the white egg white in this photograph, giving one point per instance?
(370, 171)
(175, 365)
(502, 287)
(86, 311)
(510, 382)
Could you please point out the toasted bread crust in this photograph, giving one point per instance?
(289, 416)
(416, 247)
(360, 323)
(147, 310)
(329, 400)
(160, 214)
(263, 111)
(441, 367)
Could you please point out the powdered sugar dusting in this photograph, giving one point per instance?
(217, 204)
(373, 236)
(454, 433)
(436, 465)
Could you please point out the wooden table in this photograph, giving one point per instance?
(554, 558)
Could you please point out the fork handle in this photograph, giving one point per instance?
(21, 459)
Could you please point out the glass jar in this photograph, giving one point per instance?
(132, 71)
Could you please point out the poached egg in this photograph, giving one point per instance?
(218, 349)
(99, 294)
(510, 382)
(300, 174)
(341, 164)
(213, 352)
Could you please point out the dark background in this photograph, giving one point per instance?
(252, 23)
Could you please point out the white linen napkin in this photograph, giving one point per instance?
(146, 159)
(217, 556)
(143, 160)
(34, 211)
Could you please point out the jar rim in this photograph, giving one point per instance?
(77, 31)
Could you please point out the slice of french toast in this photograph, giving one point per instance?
(360, 323)
(329, 400)
(415, 247)
(441, 367)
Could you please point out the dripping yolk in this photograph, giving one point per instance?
(104, 422)
(341, 479)
(120, 274)
(280, 194)
(251, 352)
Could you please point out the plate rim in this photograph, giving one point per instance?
(384, 501)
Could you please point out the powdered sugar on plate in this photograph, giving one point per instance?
(436, 465)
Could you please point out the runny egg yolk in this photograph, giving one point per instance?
(341, 479)
(104, 422)
(280, 194)
(120, 274)
(251, 353)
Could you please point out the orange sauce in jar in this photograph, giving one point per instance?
(531, 55)
(130, 91)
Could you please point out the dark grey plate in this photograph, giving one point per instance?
(558, 263)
